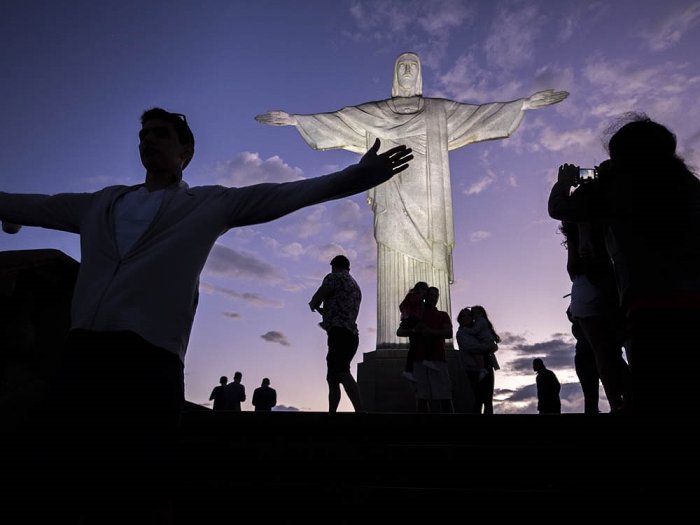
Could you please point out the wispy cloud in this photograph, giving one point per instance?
(232, 315)
(629, 86)
(511, 41)
(251, 298)
(432, 21)
(669, 30)
(307, 223)
(276, 337)
(479, 236)
(480, 185)
(226, 261)
(556, 140)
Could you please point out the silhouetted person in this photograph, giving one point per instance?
(412, 308)
(433, 383)
(594, 306)
(477, 338)
(548, 388)
(650, 203)
(338, 301)
(142, 250)
(264, 397)
(218, 394)
(586, 370)
(235, 393)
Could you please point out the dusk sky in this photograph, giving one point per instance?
(76, 75)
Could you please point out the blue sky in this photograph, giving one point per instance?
(76, 75)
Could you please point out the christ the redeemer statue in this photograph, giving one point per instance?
(413, 211)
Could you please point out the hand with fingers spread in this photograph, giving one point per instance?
(385, 165)
(277, 118)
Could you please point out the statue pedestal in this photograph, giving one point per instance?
(384, 389)
(36, 288)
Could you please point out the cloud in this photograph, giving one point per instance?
(630, 86)
(326, 252)
(387, 19)
(557, 353)
(284, 408)
(307, 224)
(479, 236)
(226, 261)
(429, 22)
(276, 337)
(248, 168)
(670, 29)
(292, 250)
(554, 140)
(232, 315)
(250, 298)
(480, 185)
(511, 41)
(467, 81)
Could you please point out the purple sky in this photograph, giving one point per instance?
(76, 76)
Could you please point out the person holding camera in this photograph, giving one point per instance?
(649, 202)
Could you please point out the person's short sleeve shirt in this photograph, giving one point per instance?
(342, 307)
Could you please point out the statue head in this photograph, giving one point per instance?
(408, 80)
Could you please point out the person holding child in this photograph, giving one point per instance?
(477, 341)
(412, 308)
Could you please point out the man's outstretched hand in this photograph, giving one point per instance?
(389, 163)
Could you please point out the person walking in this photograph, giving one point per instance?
(338, 301)
(548, 388)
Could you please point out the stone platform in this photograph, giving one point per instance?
(424, 468)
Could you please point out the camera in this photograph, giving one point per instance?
(586, 175)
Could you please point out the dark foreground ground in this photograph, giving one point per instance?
(307, 467)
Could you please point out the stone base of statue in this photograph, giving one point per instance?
(384, 389)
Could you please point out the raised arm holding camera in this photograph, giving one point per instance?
(649, 203)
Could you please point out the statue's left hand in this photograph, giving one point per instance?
(389, 163)
(277, 118)
(544, 98)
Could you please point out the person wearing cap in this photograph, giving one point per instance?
(338, 301)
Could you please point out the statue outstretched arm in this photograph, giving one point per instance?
(544, 98)
(277, 118)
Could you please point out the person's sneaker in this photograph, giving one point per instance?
(408, 375)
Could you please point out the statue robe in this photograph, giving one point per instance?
(412, 211)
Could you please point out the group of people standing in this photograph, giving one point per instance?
(633, 237)
(229, 396)
(427, 328)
